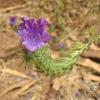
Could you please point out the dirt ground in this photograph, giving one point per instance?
(70, 21)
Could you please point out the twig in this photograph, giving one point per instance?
(92, 54)
(15, 73)
(7, 15)
(18, 85)
(14, 7)
(89, 63)
(25, 87)
(94, 78)
(4, 67)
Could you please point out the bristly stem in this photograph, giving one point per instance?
(56, 67)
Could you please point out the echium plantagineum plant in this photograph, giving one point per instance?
(34, 39)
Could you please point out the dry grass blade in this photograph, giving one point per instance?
(15, 73)
(4, 67)
(94, 78)
(89, 63)
(12, 72)
(14, 7)
(92, 53)
(33, 98)
(18, 85)
(58, 82)
(25, 87)
(7, 15)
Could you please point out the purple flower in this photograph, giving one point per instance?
(32, 33)
(12, 20)
(77, 93)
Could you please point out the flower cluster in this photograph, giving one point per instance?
(32, 33)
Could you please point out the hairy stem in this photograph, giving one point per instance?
(55, 67)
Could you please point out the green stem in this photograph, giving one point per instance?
(55, 67)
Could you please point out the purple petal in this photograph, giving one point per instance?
(42, 22)
(12, 20)
(28, 22)
(32, 46)
(32, 33)
(45, 37)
